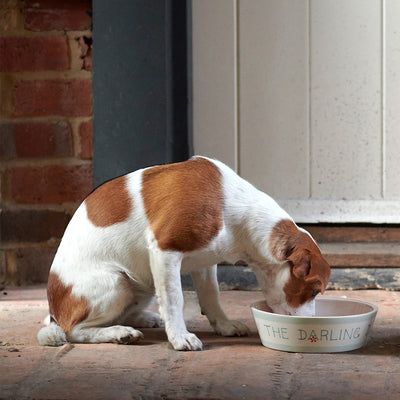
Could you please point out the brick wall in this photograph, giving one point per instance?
(45, 129)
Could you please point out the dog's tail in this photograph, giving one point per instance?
(52, 334)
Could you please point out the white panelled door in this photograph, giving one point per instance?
(302, 98)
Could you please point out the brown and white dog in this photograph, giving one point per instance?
(134, 235)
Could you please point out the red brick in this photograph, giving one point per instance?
(25, 266)
(85, 134)
(33, 54)
(42, 15)
(43, 139)
(53, 184)
(32, 225)
(35, 139)
(7, 142)
(53, 97)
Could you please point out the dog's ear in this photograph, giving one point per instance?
(282, 241)
(312, 269)
(320, 272)
(301, 263)
(288, 243)
(287, 248)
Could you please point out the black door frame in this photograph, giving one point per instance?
(141, 84)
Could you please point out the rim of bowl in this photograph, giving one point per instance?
(374, 310)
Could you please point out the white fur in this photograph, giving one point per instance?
(51, 335)
(96, 261)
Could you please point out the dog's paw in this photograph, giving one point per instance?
(125, 334)
(186, 341)
(231, 328)
(147, 319)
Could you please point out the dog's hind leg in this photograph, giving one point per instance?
(111, 334)
(87, 310)
(139, 314)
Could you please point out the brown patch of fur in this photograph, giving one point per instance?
(300, 290)
(183, 203)
(308, 269)
(66, 309)
(283, 238)
(109, 204)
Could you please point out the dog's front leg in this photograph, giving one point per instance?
(165, 267)
(206, 285)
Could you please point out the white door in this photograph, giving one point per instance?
(302, 98)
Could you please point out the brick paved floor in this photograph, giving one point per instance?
(228, 368)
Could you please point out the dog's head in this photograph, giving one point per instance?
(304, 272)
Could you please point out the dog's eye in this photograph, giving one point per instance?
(315, 292)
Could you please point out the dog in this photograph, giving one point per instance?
(133, 236)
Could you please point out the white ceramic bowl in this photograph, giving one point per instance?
(338, 325)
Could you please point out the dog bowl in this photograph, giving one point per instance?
(338, 325)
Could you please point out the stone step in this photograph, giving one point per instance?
(364, 255)
(233, 277)
(351, 233)
(354, 266)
